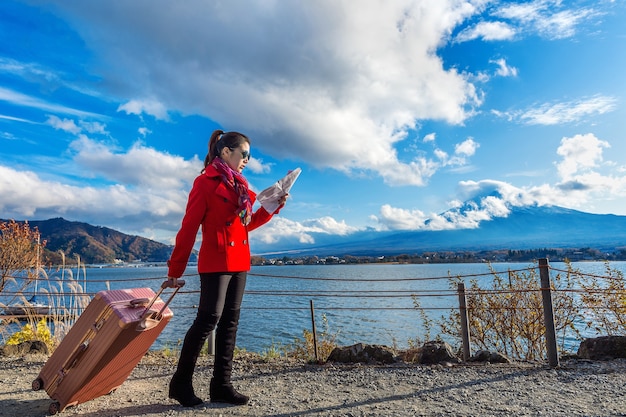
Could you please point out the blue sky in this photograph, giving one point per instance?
(397, 112)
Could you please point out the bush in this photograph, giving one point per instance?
(508, 317)
(305, 348)
(20, 248)
(606, 302)
(27, 334)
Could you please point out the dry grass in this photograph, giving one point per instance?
(507, 316)
(22, 277)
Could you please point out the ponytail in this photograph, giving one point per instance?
(213, 148)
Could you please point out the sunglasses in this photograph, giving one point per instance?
(244, 154)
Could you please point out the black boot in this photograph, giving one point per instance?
(181, 387)
(224, 392)
(221, 389)
(181, 390)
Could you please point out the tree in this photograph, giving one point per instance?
(20, 250)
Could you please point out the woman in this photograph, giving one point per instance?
(221, 202)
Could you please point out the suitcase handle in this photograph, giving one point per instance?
(71, 362)
(139, 302)
(152, 318)
(78, 353)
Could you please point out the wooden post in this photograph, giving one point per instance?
(314, 332)
(548, 313)
(465, 334)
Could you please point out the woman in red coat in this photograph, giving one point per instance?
(221, 203)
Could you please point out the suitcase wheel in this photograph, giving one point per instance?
(37, 384)
(54, 408)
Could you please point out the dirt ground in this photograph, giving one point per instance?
(290, 388)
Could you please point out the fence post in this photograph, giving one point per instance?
(210, 341)
(548, 313)
(314, 332)
(465, 334)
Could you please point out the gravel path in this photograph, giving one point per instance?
(289, 388)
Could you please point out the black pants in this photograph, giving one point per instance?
(220, 305)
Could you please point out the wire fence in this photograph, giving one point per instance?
(335, 299)
(13, 294)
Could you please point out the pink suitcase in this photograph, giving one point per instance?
(104, 345)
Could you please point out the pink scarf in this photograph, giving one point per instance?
(237, 182)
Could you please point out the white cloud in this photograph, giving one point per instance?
(525, 12)
(28, 196)
(544, 17)
(580, 153)
(489, 31)
(504, 70)
(551, 19)
(139, 166)
(564, 112)
(462, 151)
(66, 125)
(459, 217)
(93, 127)
(488, 208)
(151, 107)
(341, 81)
(569, 111)
(150, 203)
(138, 190)
(24, 100)
(466, 148)
(581, 186)
(430, 137)
(71, 126)
(394, 218)
(258, 167)
(144, 131)
(282, 228)
(16, 119)
(441, 155)
(562, 24)
(49, 80)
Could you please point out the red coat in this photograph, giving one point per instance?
(224, 246)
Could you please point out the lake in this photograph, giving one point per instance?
(369, 303)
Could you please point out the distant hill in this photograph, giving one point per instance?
(95, 244)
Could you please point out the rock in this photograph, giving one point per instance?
(603, 348)
(492, 357)
(435, 352)
(361, 353)
(411, 355)
(21, 349)
(39, 347)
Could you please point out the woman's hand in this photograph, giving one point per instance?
(281, 203)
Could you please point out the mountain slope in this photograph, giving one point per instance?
(97, 245)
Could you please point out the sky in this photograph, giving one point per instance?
(402, 115)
